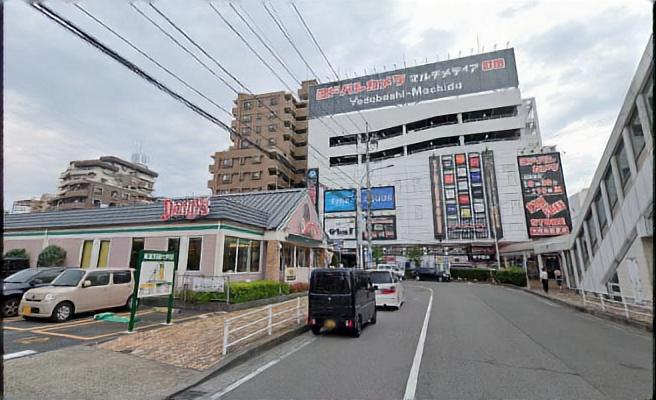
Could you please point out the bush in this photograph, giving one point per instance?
(241, 292)
(298, 287)
(480, 274)
(17, 253)
(51, 256)
(514, 276)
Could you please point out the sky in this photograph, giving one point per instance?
(64, 100)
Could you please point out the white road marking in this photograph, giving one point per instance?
(411, 386)
(258, 371)
(19, 354)
(547, 302)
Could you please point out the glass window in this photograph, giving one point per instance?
(229, 254)
(241, 255)
(69, 278)
(174, 246)
(592, 231)
(255, 256)
(87, 249)
(121, 277)
(98, 278)
(273, 127)
(649, 98)
(47, 276)
(193, 255)
(609, 181)
(256, 175)
(637, 136)
(246, 118)
(330, 283)
(274, 101)
(248, 105)
(601, 213)
(246, 130)
(622, 163)
(137, 246)
(103, 255)
(381, 277)
(584, 251)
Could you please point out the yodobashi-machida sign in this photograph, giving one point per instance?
(312, 181)
(477, 73)
(382, 198)
(187, 208)
(545, 197)
(338, 228)
(156, 274)
(339, 200)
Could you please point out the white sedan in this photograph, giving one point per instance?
(389, 290)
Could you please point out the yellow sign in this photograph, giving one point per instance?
(26, 310)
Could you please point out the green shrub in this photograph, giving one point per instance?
(241, 292)
(18, 253)
(470, 274)
(298, 287)
(514, 276)
(51, 256)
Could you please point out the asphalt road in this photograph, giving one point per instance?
(482, 342)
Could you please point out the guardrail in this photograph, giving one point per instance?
(231, 325)
(627, 305)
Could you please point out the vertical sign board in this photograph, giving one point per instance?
(436, 194)
(154, 276)
(342, 200)
(545, 197)
(492, 192)
(383, 227)
(312, 182)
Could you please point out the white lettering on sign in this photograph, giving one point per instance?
(189, 208)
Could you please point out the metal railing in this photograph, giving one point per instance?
(231, 325)
(616, 302)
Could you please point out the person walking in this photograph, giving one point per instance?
(559, 279)
(544, 277)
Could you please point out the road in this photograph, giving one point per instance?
(482, 342)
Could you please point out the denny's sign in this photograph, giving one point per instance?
(188, 208)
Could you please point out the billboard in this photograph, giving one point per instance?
(342, 200)
(312, 182)
(382, 228)
(545, 197)
(382, 198)
(476, 73)
(340, 228)
(461, 202)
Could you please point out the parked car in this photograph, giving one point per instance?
(79, 290)
(11, 265)
(389, 290)
(341, 298)
(15, 285)
(400, 273)
(433, 273)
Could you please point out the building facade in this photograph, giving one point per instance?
(106, 182)
(443, 167)
(34, 204)
(267, 235)
(276, 121)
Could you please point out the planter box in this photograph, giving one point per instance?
(215, 306)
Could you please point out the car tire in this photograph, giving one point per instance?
(10, 307)
(372, 321)
(128, 304)
(357, 331)
(316, 329)
(439, 279)
(63, 312)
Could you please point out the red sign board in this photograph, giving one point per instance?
(188, 208)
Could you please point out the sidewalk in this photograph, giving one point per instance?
(149, 364)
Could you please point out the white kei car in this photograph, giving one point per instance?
(396, 270)
(389, 290)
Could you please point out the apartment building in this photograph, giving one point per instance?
(106, 182)
(34, 204)
(276, 121)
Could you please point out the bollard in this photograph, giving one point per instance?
(226, 332)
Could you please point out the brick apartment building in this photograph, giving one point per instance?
(277, 121)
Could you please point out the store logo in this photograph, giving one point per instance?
(189, 208)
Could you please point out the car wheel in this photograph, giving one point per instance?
(10, 307)
(63, 312)
(357, 331)
(439, 279)
(128, 304)
(372, 321)
(316, 329)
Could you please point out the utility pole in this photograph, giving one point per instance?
(358, 211)
(369, 249)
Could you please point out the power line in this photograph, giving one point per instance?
(307, 28)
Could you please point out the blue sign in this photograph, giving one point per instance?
(382, 198)
(339, 200)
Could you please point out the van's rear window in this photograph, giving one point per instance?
(381, 277)
(331, 283)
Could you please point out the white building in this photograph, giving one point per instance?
(408, 135)
(575, 204)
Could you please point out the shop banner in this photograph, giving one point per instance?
(545, 196)
(338, 228)
(382, 228)
(382, 198)
(339, 200)
(312, 182)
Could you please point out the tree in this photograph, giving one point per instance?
(51, 256)
(377, 254)
(17, 253)
(414, 255)
(335, 260)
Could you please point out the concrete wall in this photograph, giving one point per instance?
(73, 248)
(119, 252)
(156, 243)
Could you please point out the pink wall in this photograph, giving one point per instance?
(207, 258)
(119, 252)
(156, 243)
(72, 248)
(33, 247)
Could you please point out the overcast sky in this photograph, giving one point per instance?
(64, 100)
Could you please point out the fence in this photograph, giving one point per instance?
(618, 303)
(197, 283)
(268, 319)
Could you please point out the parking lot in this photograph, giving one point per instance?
(26, 337)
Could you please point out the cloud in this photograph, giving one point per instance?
(511, 12)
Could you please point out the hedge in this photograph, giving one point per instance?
(514, 276)
(240, 292)
(479, 274)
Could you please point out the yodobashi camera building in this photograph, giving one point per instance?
(444, 145)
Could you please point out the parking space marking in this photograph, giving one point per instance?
(19, 354)
(32, 339)
(83, 322)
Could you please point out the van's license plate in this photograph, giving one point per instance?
(26, 310)
(329, 324)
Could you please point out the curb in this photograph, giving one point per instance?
(614, 318)
(235, 359)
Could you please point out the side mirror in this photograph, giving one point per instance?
(86, 284)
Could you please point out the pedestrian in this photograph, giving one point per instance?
(544, 277)
(559, 279)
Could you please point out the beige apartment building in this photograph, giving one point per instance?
(106, 182)
(277, 121)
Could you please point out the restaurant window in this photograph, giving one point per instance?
(193, 254)
(622, 163)
(611, 190)
(601, 213)
(241, 255)
(137, 246)
(103, 254)
(174, 246)
(87, 249)
(636, 133)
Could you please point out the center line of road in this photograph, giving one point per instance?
(411, 386)
(258, 371)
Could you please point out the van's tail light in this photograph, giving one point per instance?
(312, 321)
(389, 290)
(349, 323)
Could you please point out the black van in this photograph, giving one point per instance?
(341, 298)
